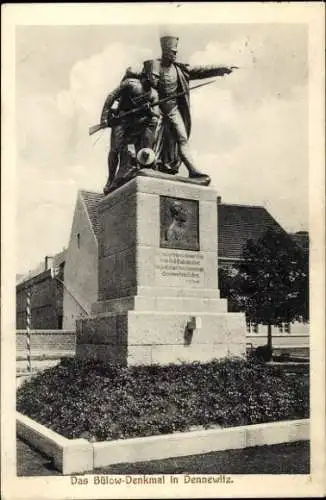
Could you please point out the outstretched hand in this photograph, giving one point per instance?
(230, 69)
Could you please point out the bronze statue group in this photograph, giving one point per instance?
(151, 124)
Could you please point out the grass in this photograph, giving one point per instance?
(32, 463)
(103, 402)
(288, 458)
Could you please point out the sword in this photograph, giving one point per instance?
(115, 120)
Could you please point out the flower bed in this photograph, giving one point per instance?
(105, 402)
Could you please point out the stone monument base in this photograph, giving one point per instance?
(160, 329)
(158, 296)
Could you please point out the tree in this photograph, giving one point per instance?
(227, 279)
(271, 286)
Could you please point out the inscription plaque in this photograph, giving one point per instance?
(180, 269)
(179, 223)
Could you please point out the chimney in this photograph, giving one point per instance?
(46, 262)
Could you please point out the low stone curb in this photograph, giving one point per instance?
(78, 455)
(69, 455)
(198, 442)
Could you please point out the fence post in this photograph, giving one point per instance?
(28, 330)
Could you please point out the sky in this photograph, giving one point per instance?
(250, 128)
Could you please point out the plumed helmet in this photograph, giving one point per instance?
(169, 42)
(151, 66)
(145, 157)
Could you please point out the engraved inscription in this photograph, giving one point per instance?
(179, 223)
(175, 268)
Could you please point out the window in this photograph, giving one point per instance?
(60, 322)
(252, 327)
(78, 240)
(287, 327)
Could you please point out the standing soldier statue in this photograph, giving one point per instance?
(172, 143)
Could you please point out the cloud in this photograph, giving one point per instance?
(56, 157)
(50, 127)
(259, 158)
(272, 62)
(250, 128)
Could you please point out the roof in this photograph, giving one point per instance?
(58, 259)
(91, 200)
(239, 223)
(236, 224)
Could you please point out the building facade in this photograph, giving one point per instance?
(46, 296)
(81, 268)
(236, 225)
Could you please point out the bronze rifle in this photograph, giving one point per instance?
(116, 119)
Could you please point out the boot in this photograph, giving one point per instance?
(113, 160)
(188, 163)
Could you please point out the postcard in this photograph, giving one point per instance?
(163, 250)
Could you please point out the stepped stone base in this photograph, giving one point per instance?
(146, 337)
(158, 296)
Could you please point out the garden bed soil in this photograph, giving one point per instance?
(102, 402)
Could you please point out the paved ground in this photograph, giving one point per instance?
(31, 463)
(289, 458)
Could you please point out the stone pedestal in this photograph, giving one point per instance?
(158, 298)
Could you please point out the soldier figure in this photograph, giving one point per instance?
(138, 129)
(172, 144)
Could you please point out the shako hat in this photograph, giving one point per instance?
(145, 156)
(151, 66)
(169, 42)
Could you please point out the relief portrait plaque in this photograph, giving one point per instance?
(179, 223)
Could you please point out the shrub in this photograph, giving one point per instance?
(264, 353)
(104, 402)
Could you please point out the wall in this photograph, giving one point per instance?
(297, 344)
(47, 348)
(279, 340)
(46, 302)
(289, 329)
(81, 268)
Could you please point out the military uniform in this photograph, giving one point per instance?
(138, 129)
(172, 144)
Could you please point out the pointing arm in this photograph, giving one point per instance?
(199, 72)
